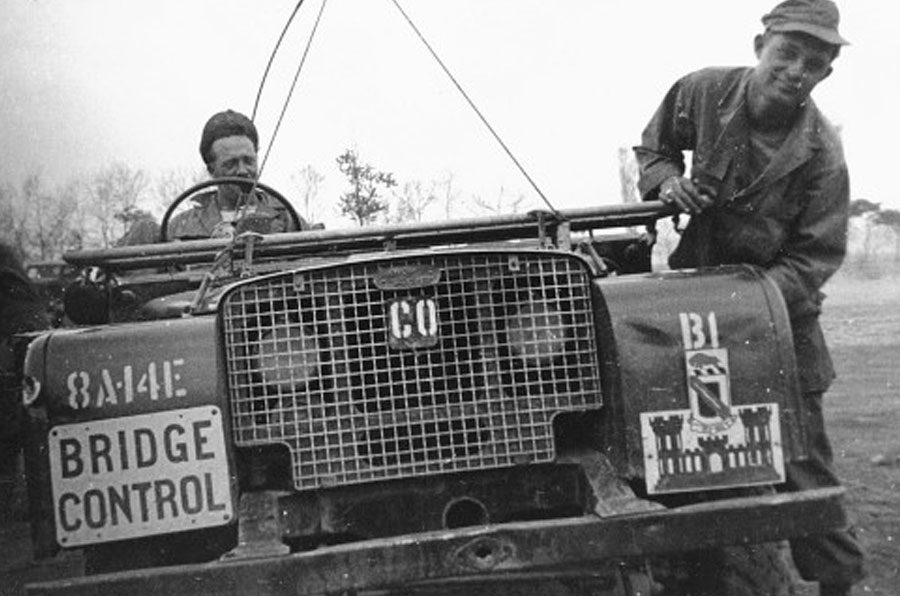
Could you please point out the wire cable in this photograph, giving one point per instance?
(477, 111)
(287, 100)
(265, 75)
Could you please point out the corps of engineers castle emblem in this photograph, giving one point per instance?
(712, 444)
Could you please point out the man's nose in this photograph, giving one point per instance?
(245, 169)
(796, 71)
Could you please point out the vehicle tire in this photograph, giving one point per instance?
(747, 570)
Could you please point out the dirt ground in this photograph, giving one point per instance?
(862, 324)
(861, 319)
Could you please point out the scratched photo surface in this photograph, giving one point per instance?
(568, 86)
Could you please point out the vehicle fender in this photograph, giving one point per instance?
(88, 375)
(126, 369)
(652, 324)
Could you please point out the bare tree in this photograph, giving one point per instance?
(12, 226)
(48, 218)
(169, 184)
(412, 201)
(860, 207)
(891, 219)
(450, 195)
(36, 220)
(502, 204)
(308, 180)
(111, 193)
(865, 212)
(78, 222)
(363, 202)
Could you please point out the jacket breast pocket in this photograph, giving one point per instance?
(746, 236)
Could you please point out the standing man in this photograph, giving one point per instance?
(768, 186)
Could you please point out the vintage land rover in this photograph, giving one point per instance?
(515, 403)
(446, 406)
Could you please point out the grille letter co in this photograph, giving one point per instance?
(412, 323)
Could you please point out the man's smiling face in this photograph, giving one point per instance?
(790, 66)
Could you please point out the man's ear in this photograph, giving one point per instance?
(758, 42)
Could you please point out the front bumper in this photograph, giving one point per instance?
(488, 553)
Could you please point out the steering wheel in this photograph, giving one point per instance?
(244, 183)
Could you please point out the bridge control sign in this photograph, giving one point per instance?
(140, 475)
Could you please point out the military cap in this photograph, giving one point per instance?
(818, 18)
(226, 124)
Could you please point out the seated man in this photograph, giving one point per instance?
(228, 145)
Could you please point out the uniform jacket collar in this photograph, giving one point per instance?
(800, 144)
(208, 214)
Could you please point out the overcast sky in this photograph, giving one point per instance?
(565, 83)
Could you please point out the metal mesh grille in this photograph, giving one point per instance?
(505, 342)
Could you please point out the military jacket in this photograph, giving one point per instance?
(790, 218)
(202, 219)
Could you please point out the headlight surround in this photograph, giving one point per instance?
(537, 332)
(288, 357)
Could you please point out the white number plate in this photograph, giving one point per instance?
(139, 476)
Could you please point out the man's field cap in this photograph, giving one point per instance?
(818, 18)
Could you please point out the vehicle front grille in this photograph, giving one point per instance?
(411, 366)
